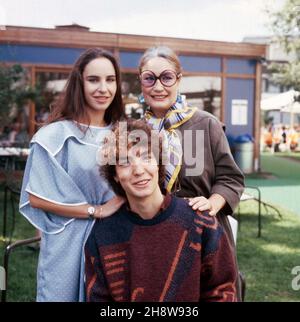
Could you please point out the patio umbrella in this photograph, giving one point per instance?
(279, 101)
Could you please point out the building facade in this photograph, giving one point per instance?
(220, 77)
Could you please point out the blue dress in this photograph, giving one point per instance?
(62, 168)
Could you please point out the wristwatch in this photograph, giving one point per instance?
(91, 212)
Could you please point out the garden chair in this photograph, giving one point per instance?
(12, 181)
(9, 248)
(251, 195)
(11, 198)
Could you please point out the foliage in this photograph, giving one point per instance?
(15, 91)
(286, 27)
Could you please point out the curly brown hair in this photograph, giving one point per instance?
(108, 171)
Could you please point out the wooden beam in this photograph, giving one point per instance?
(32, 106)
(241, 76)
(85, 39)
(223, 90)
(256, 125)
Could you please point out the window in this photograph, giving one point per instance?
(203, 92)
(131, 90)
(50, 83)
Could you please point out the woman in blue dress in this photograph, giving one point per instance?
(62, 190)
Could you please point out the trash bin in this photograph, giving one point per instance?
(244, 148)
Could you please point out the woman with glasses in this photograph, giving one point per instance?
(62, 190)
(211, 180)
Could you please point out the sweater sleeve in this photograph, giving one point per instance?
(229, 180)
(95, 282)
(218, 268)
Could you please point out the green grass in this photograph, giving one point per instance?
(267, 261)
(23, 261)
(280, 166)
(293, 155)
(283, 187)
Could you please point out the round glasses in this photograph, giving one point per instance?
(167, 78)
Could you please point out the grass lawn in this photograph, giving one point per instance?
(282, 188)
(292, 155)
(268, 261)
(22, 264)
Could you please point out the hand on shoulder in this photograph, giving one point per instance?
(213, 204)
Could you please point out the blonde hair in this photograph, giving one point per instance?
(163, 52)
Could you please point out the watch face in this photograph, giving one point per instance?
(91, 210)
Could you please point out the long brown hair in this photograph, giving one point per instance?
(71, 103)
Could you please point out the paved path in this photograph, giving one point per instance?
(284, 188)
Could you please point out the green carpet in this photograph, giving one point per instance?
(283, 188)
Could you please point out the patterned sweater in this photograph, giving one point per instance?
(179, 255)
